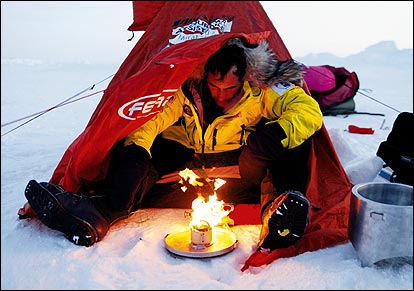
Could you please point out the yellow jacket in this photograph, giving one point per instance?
(298, 114)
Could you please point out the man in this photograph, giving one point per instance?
(247, 108)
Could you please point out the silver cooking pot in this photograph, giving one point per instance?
(381, 221)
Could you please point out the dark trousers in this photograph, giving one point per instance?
(127, 184)
(289, 172)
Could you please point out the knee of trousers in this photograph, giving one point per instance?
(251, 168)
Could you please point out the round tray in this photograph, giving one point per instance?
(179, 243)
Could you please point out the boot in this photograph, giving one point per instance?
(52, 188)
(73, 214)
(284, 221)
(26, 211)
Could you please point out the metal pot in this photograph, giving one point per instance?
(381, 221)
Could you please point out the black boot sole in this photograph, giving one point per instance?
(287, 222)
(51, 213)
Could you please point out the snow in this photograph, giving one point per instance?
(133, 255)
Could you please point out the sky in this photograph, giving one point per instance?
(76, 28)
(133, 255)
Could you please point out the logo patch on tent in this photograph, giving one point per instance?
(195, 28)
(146, 105)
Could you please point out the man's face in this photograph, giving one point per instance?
(223, 91)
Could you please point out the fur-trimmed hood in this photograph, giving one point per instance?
(263, 69)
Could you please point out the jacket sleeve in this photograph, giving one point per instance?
(297, 113)
(145, 135)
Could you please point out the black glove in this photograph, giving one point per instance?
(265, 142)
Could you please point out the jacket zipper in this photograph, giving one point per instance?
(243, 127)
(214, 138)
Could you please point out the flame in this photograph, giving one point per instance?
(192, 177)
(211, 210)
(218, 183)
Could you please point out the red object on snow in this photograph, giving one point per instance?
(360, 130)
(246, 214)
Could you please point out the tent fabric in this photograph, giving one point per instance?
(153, 71)
(179, 37)
(143, 15)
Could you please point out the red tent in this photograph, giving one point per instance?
(179, 36)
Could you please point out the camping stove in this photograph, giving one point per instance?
(208, 233)
(201, 240)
